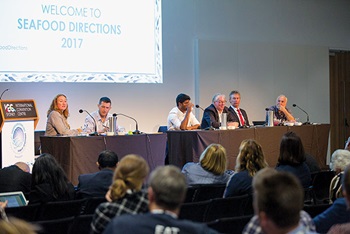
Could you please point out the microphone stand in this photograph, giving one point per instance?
(136, 132)
(93, 133)
(207, 128)
(3, 93)
(307, 115)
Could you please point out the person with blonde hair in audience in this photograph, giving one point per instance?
(125, 195)
(211, 169)
(249, 161)
(339, 160)
(17, 226)
(57, 116)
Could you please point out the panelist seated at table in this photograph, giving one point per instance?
(57, 115)
(238, 114)
(211, 168)
(212, 116)
(181, 116)
(280, 110)
(100, 117)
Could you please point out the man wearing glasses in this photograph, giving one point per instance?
(213, 113)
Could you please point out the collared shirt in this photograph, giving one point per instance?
(176, 116)
(102, 126)
(253, 227)
(235, 109)
(131, 203)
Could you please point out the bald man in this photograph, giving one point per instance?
(15, 178)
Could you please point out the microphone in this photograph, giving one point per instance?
(3, 93)
(197, 106)
(93, 133)
(307, 115)
(136, 132)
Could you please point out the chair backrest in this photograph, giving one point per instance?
(28, 213)
(320, 186)
(81, 224)
(194, 211)
(60, 209)
(232, 225)
(163, 129)
(55, 226)
(91, 204)
(208, 191)
(229, 207)
(314, 210)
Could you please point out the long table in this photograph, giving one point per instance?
(187, 146)
(78, 154)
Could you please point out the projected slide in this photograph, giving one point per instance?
(81, 41)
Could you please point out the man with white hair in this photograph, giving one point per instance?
(280, 110)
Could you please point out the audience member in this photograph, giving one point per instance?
(292, 158)
(211, 168)
(166, 192)
(17, 226)
(16, 177)
(49, 181)
(338, 213)
(249, 161)
(212, 116)
(100, 116)
(278, 203)
(97, 184)
(181, 116)
(239, 115)
(57, 115)
(280, 110)
(125, 195)
(339, 160)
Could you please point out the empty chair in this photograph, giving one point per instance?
(60, 209)
(81, 224)
(28, 213)
(229, 207)
(190, 194)
(163, 129)
(55, 226)
(91, 204)
(209, 191)
(194, 211)
(320, 186)
(232, 225)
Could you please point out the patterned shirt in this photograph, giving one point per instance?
(253, 227)
(131, 203)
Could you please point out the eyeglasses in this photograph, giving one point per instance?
(221, 102)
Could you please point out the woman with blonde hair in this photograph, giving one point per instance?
(57, 115)
(249, 161)
(211, 168)
(125, 196)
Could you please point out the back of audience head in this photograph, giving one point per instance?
(213, 159)
(250, 157)
(107, 159)
(47, 170)
(291, 150)
(278, 196)
(167, 187)
(130, 174)
(339, 160)
(23, 166)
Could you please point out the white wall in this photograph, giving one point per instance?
(278, 47)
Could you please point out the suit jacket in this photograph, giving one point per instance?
(236, 117)
(95, 184)
(211, 117)
(13, 179)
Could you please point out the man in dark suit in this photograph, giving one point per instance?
(16, 178)
(212, 114)
(238, 114)
(97, 184)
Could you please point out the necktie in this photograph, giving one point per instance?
(240, 117)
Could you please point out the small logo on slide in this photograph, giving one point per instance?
(9, 108)
(18, 139)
